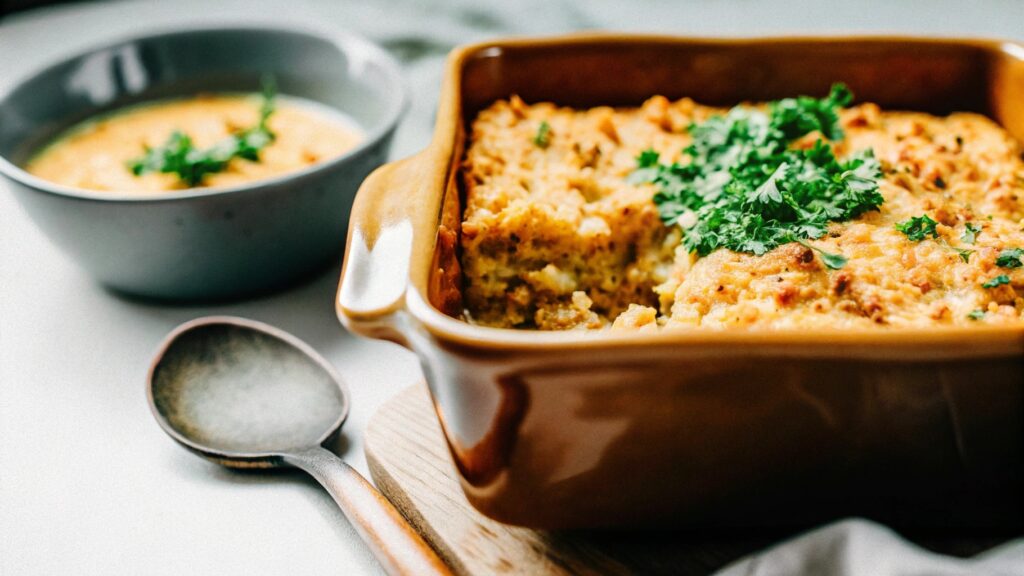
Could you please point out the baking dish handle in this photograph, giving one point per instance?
(391, 219)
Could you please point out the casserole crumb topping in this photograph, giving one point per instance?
(557, 235)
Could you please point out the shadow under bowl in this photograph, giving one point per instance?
(213, 243)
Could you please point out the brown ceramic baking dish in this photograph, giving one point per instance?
(570, 429)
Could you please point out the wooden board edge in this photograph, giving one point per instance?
(392, 490)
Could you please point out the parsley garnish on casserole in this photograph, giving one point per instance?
(799, 213)
(742, 185)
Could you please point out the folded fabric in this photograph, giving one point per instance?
(857, 547)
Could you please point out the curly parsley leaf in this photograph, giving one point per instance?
(971, 232)
(178, 155)
(997, 281)
(976, 314)
(741, 187)
(1010, 258)
(918, 227)
(795, 117)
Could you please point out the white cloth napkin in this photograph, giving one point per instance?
(859, 547)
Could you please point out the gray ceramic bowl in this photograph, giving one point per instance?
(205, 243)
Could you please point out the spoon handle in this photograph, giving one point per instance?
(399, 549)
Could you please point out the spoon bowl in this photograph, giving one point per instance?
(247, 395)
(243, 394)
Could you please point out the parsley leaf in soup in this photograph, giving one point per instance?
(742, 187)
(1010, 258)
(997, 281)
(977, 314)
(178, 155)
(918, 227)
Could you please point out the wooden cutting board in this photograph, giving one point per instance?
(410, 463)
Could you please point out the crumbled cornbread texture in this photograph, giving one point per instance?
(555, 237)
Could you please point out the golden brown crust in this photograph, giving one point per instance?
(555, 237)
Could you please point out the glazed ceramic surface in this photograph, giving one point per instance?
(737, 428)
(206, 243)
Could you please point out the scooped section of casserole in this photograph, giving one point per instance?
(556, 234)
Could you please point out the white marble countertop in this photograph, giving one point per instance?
(88, 482)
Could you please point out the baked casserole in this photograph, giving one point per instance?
(661, 424)
(556, 234)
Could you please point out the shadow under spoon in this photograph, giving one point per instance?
(247, 395)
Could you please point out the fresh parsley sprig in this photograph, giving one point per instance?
(178, 155)
(963, 253)
(918, 227)
(1010, 258)
(795, 117)
(971, 231)
(743, 188)
(997, 281)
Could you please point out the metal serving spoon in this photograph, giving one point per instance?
(247, 395)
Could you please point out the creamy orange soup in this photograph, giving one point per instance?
(95, 155)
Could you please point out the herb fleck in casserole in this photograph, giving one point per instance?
(798, 213)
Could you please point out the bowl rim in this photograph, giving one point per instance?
(346, 42)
